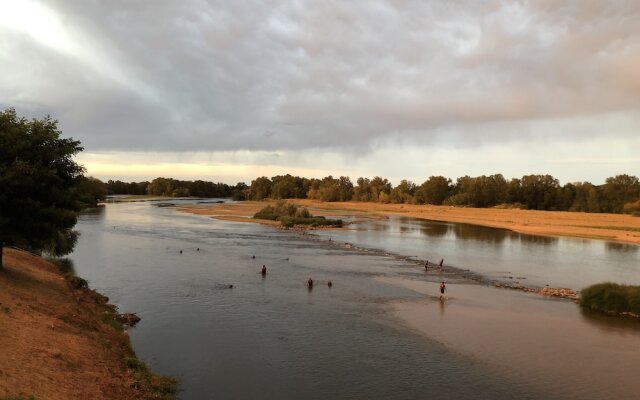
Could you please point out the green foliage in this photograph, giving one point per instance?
(619, 190)
(331, 189)
(435, 190)
(290, 215)
(133, 188)
(175, 188)
(612, 298)
(154, 387)
(260, 188)
(38, 177)
(90, 191)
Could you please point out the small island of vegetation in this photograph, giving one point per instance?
(612, 298)
(290, 215)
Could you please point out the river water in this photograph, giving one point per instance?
(272, 338)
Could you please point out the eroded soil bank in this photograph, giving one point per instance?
(63, 343)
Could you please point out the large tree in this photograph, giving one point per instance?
(38, 203)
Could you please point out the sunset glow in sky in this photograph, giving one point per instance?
(230, 90)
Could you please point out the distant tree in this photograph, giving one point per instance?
(403, 193)
(91, 190)
(514, 191)
(619, 190)
(38, 176)
(330, 189)
(436, 189)
(586, 198)
(284, 187)
(362, 192)
(162, 187)
(567, 196)
(240, 191)
(540, 192)
(380, 189)
(260, 188)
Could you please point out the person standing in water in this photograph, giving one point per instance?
(264, 270)
(443, 288)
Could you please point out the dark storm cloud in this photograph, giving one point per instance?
(205, 75)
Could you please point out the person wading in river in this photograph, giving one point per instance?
(443, 288)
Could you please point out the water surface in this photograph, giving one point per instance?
(271, 337)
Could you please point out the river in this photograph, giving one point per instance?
(378, 333)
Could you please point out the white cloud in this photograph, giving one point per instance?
(340, 80)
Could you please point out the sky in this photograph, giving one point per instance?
(231, 90)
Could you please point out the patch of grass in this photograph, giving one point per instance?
(612, 298)
(109, 318)
(6, 310)
(18, 398)
(154, 386)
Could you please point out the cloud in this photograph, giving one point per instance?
(274, 75)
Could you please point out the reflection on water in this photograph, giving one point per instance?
(496, 253)
(622, 247)
(270, 337)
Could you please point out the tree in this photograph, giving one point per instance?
(38, 203)
(91, 190)
(435, 190)
(619, 190)
(260, 188)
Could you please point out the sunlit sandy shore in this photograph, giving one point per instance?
(613, 227)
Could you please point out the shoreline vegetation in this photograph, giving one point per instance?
(62, 340)
(612, 298)
(290, 216)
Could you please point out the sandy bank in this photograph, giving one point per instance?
(612, 227)
(61, 343)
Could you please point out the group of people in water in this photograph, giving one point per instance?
(440, 264)
(263, 271)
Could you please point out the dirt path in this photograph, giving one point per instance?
(61, 343)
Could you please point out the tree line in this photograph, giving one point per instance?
(620, 193)
(176, 188)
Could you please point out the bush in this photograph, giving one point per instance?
(612, 298)
(77, 282)
(290, 215)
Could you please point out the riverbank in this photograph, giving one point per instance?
(60, 342)
(610, 227)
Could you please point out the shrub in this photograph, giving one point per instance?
(612, 298)
(290, 215)
(77, 282)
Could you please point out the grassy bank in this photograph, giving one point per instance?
(62, 340)
(612, 298)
